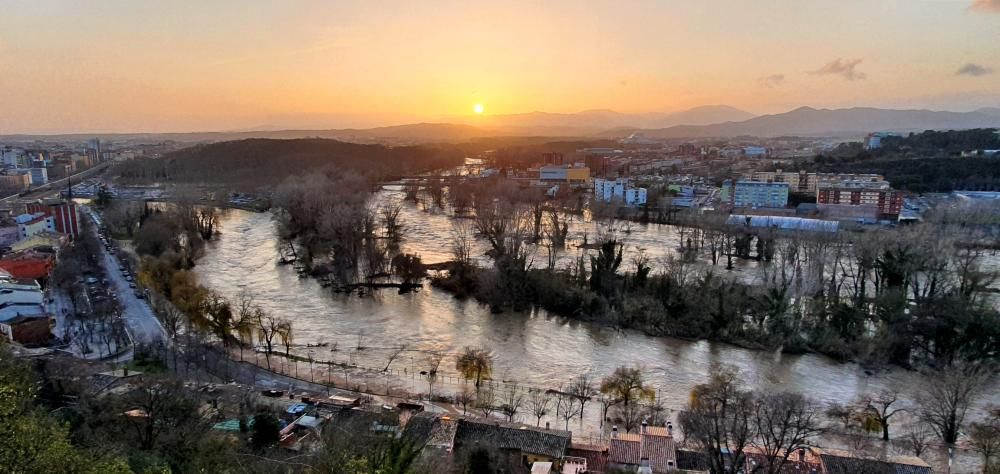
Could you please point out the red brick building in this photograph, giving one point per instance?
(64, 213)
(886, 203)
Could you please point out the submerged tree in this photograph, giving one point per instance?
(475, 364)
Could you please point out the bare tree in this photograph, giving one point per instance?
(486, 400)
(461, 246)
(511, 400)
(718, 421)
(842, 414)
(985, 439)
(947, 397)
(464, 398)
(432, 372)
(783, 422)
(916, 438)
(880, 407)
(539, 402)
(582, 387)
(389, 212)
(566, 407)
(630, 416)
(396, 351)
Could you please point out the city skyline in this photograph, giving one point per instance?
(171, 67)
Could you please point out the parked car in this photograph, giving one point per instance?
(131, 285)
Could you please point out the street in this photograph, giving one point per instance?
(143, 325)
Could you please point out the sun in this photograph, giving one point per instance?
(478, 109)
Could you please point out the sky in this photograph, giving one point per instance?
(180, 65)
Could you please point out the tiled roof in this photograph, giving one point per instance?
(597, 457)
(630, 449)
(660, 450)
(624, 451)
(551, 443)
(420, 426)
(836, 464)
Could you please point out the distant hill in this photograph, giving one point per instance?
(807, 121)
(593, 121)
(262, 162)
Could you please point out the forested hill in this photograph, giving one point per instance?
(930, 161)
(262, 162)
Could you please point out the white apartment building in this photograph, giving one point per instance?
(608, 190)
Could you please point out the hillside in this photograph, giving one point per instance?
(807, 121)
(259, 161)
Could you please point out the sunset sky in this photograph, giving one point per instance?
(102, 65)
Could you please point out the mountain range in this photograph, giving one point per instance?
(700, 122)
(807, 121)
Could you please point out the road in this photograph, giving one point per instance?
(143, 325)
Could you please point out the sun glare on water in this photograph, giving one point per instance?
(478, 108)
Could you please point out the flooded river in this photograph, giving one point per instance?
(536, 348)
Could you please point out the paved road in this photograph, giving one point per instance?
(143, 325)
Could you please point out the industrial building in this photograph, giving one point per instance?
(566, 174)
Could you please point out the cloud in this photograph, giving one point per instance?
(842, 67)
(973, 69)
(774, 80)
(985, 6)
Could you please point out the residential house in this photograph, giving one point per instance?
(653, 448)
(529, 444)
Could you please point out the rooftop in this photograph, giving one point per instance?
(528, 439)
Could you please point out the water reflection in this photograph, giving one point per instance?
(535, 347)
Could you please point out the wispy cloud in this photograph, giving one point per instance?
(973, 69)
(846, 68)
(985, 6)
(774, 80)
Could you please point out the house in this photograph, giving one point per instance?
(303, 434)
(653, 448)
(46, 241)
(65, 215)
(29, 329)
(841, 462)
(28, 264)
(31, 224)
(585, 458)
(529, 443)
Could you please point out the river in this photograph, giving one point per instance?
(534, 348)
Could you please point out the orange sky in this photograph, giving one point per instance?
(104, 65)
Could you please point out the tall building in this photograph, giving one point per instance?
(39, 176)
(755, 194)
(94, 150)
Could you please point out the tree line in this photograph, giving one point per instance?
(921, 295)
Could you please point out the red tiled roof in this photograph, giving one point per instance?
(623, 451)
(661, 452)
(28, 268)
(632, 448)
